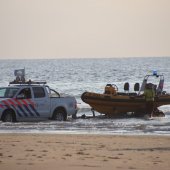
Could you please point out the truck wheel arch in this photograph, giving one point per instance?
(61, 110)
(8, 112)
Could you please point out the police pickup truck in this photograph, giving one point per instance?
(24, 101)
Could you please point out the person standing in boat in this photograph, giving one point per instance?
(149, 94)
(109, 89)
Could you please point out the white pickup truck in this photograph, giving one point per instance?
(34, 101)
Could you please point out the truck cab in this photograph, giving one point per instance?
(32, 101)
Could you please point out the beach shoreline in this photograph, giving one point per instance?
(73, 151)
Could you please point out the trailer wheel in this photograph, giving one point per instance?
(60, 115)
(74, 116)
(8, 116)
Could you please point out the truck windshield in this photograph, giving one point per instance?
(8, 92)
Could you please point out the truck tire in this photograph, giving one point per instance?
(8, 116)
(60, 115)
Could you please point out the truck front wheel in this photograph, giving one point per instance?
(60, 115)
(8, 116)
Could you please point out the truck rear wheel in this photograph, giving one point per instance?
(60, 115)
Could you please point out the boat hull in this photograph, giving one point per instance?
(119, 105)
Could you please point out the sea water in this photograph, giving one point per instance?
(75, 76)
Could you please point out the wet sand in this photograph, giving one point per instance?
(91, 152)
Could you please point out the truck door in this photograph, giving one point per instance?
(41, 100)
(24, 103)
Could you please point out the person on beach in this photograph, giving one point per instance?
(149, 94)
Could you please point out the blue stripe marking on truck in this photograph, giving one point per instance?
(28, 110)
(22, 110)
(17, 112)
(34, 110)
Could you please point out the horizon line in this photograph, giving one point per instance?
(67, 58)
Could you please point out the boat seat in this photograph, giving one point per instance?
(122, 93)
(127, 94)
(132, 94)
(126, 86)
(136, 87)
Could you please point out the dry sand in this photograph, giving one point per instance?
(91, 152)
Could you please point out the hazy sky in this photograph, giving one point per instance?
(84, 28)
